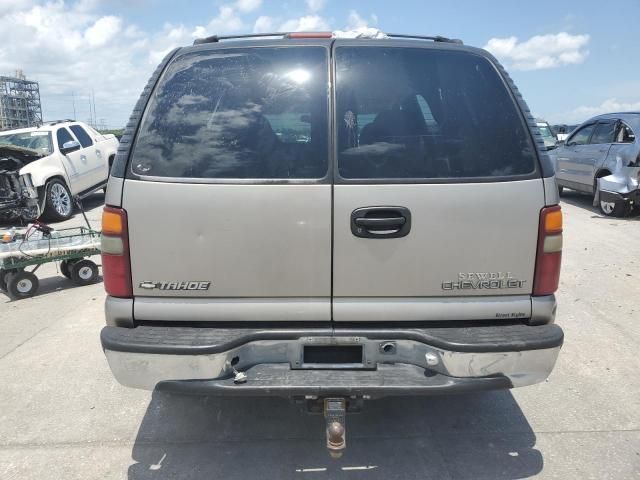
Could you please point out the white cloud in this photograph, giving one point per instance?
(540, 51)
(102, 31)
(248, 5)
(316, 5)
(610, 105)
(356, 21)
(74, 47)
(226, 21)
(69, 47)
(264, 24)
(308, 23)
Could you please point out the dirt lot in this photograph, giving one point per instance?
(63, 415)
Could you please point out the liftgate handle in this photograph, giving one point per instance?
(381, 222)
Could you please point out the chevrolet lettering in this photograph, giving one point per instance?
(483, 281)
(187, 285)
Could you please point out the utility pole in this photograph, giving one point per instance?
(95, 116)
(90, 112)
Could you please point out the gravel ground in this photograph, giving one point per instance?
(63, 415)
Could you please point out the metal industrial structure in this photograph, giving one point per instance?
(19, 102)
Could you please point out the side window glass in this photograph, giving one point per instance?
(625, 134)
(581, 137)
(605, 133)
(82, 136)
(63, 136)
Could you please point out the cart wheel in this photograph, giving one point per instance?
(84, 272)
(22, 284)
(65, 268)
(4, 276)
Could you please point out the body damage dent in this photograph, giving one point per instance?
(17, 192)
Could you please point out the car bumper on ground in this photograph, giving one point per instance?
(388, 362)
(630, 197)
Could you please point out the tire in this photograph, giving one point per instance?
(22, 284)
(58, 204)
(560, 190)
(84, 272)
(4, 275)
(65, 268)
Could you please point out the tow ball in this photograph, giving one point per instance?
(335, 411)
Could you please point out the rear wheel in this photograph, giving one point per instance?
(58, 201)
(84, 272)
(560, 190)
(22, 284)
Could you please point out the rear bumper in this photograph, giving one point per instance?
(419, 362)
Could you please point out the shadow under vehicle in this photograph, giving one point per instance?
(471, 436)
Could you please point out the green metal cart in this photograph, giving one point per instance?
(69, 246)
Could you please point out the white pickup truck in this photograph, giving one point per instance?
(43, 168)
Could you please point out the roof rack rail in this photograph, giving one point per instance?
(435, 38)
(55, 122)
(216, 38)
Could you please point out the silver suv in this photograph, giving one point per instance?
(315, 217)
(602, 158)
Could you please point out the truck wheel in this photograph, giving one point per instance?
(84, 272)
(22, 284)
(65, 268)
(58, 205)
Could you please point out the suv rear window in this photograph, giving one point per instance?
(413, 113)
(238, 113)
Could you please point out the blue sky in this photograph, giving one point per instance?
(571, 59)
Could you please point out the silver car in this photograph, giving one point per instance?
(549, 139)
(602, 158)
(331, 220)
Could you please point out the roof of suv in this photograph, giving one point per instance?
(45, 127)
(629, 117)
(327, 38)
(319, 35)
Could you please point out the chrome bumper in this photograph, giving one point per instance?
(417, 361)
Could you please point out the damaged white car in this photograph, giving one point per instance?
(602, 157)
(43, 168)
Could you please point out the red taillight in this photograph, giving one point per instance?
(116, 266)
(549, 253)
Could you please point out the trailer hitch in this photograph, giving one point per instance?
(335, 412)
